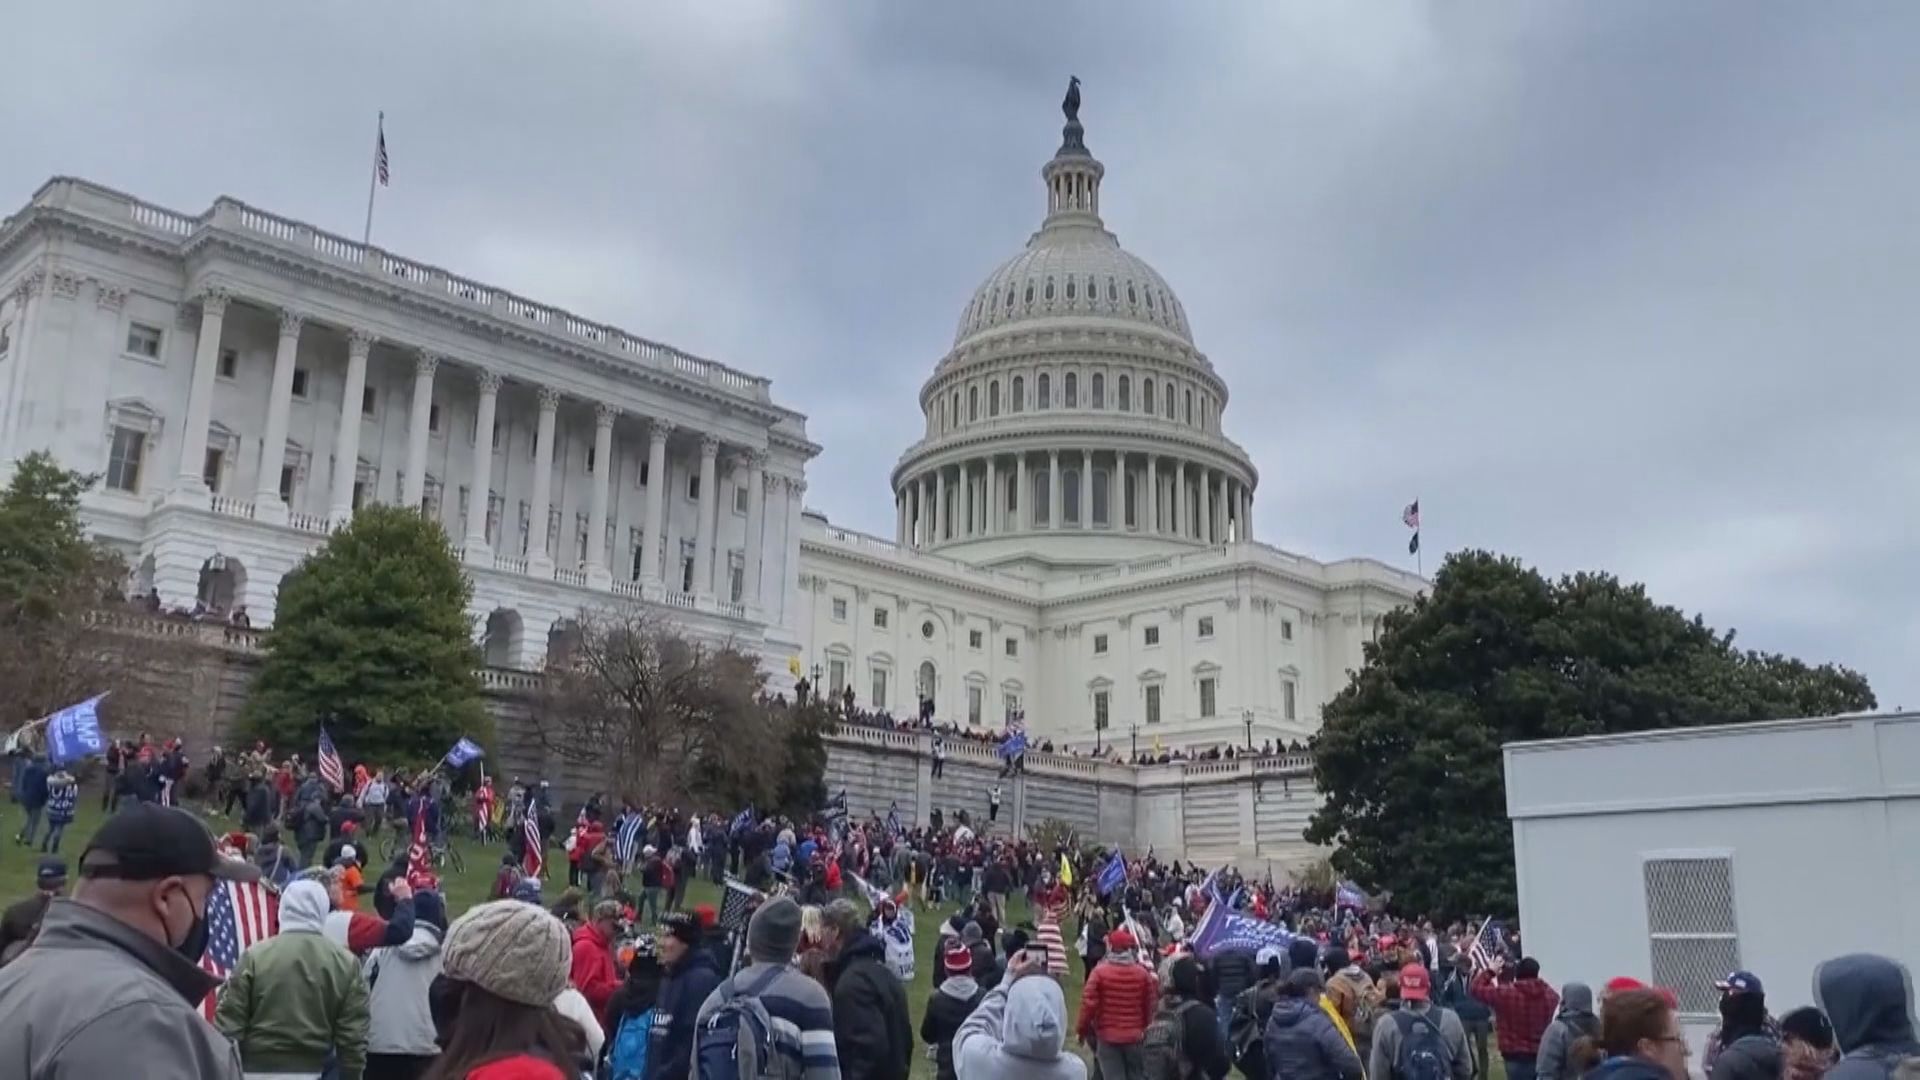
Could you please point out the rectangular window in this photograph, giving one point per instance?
(229, 364)
(879, 698)
(736, 578)
(124, 460)
(1153, 704)
(1099, 644)
(300, 381)
(591, 459)
(974, 639)
(1099, 710)
(359, 493)
(839, 610)
(693, 485)
(1690, 928)
(1013, 646)
(143, 341)
(836, 676)
(1207, 687)
(1287, 708)
(210, 468)
(433, 418)
(879, 618)
(1206, 626)
(1010, 705)
(369, 399)
(1286, 629)
(975, 695)
(640, 475)
(1151, 636)
(286, 483)
(740, 499)
(496, 508)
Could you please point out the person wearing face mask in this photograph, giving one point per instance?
(113, 985)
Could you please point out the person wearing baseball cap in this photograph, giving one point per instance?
(690, 978)
(1747, 1044)
(950, 1005)
(1418, 1025)
(22, 920)
(113, 985)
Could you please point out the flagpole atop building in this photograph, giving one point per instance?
(373, 176)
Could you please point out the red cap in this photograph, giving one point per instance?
(1415, 984)
(1120, 939)
(1624, 982)
(958, 959)
(706, 915)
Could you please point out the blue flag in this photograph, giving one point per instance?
(1347, 894)
(74, 732)
(742, 821)
(627, 835)
(893, 820)
(1014, 745)
(1113, 875)
(1222, 928)
(464, 751)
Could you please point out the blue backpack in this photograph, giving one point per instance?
(739, 1042)
(627, 1053)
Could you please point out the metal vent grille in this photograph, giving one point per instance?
(1693, 939)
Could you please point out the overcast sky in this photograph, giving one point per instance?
(1623, 286)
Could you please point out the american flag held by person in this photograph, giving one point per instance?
(239, 914)
(627, 835)
(328, 762)
(535, 858)
(1486, 945)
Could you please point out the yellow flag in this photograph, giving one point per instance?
(793, 666)
(1066, 871)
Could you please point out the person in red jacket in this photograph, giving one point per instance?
(1523, 1005)
(1116, 1006)
(593, 971)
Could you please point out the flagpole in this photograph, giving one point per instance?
(373, 177)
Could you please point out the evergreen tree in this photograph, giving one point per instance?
(372, 637)
(1408, 756)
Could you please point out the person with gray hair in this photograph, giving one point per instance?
(872, 1028)
(795, 1002)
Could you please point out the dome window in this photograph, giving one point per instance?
(1131, 298)
(1049, 288)
(973, 404)
(1146, 395)
(1099, 394)
(1009, 298)
(1019, 393)
(1149, 299)
(1113, 292)
(1043, 392)
(1029, 292)
(1070, 283)
(1124, 389)
(1070, 391)
(993, 399)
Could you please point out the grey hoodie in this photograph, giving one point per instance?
(1018, 1032)
(399, 976)
(1869, 1000)
(1574, 1019)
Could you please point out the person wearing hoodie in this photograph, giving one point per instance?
(1398, 1027)
(1018, 1031)
(949, 1006)
(594, 973)
(1574, 1021)
(63, 792)
(872, 1028)
(690, 977)
(1116, 1005)
(1869, 1000)
(1641, 1039)
(1747, 1047)
(1203, 1049)
(1350, 990)
(400, 1037)
(297, 998)
(1303, 1037)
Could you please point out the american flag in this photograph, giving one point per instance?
(1410, 517)
(738, 904)
(328, 762)
(535, 858)
(238, 915)
(1486, 945)
(627, 835)
(380, 153)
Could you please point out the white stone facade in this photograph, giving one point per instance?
(1074, 530)
(243, 381)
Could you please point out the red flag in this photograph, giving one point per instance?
(420, 873)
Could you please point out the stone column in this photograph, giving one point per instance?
(475, 548)
(597, 573)
(1180, 521)
(1054, 502)
(703, 529)
(419, 416)
(1117, 493)
(190, 484)
(1246, 513)
(1151, 508)
(1205, 484)
(939, 505)
(900, 517)
(1220, 505)
(267, 504)
(1085, 494)
(346, 442)
(657, 433)
(756, 518)
(994, 500)
(796, 500)
(539, 554)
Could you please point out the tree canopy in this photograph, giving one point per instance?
(372, 637)
(1408, 755)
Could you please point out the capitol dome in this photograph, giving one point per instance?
(1073, 423)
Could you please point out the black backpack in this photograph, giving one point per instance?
(1423, 1053)
(1164, 1044)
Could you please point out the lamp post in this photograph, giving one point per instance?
(817, 696)
(1134, 734)
(1246, 717)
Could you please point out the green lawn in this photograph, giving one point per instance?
(464, 890)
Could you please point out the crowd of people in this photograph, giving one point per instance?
(802, 972)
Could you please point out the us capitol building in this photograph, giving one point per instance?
(1073, 531)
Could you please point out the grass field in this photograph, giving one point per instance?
(464, 890)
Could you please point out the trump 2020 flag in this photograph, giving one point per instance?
(74, 732)
(464, 751)
(1113, 875)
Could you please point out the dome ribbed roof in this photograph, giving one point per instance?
(1073, 272)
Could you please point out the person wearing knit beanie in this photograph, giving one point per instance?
(774, 932)
(511, 950)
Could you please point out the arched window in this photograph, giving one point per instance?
(973, 404)
(993, 398)
(1169, 401)
(956, 408)
(1070, 392)
(1042, 503)
(1146, 395)
(1100, 490)
(1099, 390)
(1133, 298)
(1130, 496)
(943, 414)
(1043, 392)
(1029, 294)
(1113, 292)
(1189, 406)
(1009, 297)
(1019, 393)
(1049, 293)
(1070, 496)
(1126, 395)
(1071, 281)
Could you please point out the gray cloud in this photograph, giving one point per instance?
(1624, 286)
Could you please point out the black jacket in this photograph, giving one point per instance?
(872, 1029)
(670, 1048)
(1750, 1057)
(945, 1014)
(1233, 971)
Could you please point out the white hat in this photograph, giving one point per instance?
(1268, 954)
(347, 852)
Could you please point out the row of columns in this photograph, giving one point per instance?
(268, 505)
(1200, 503)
